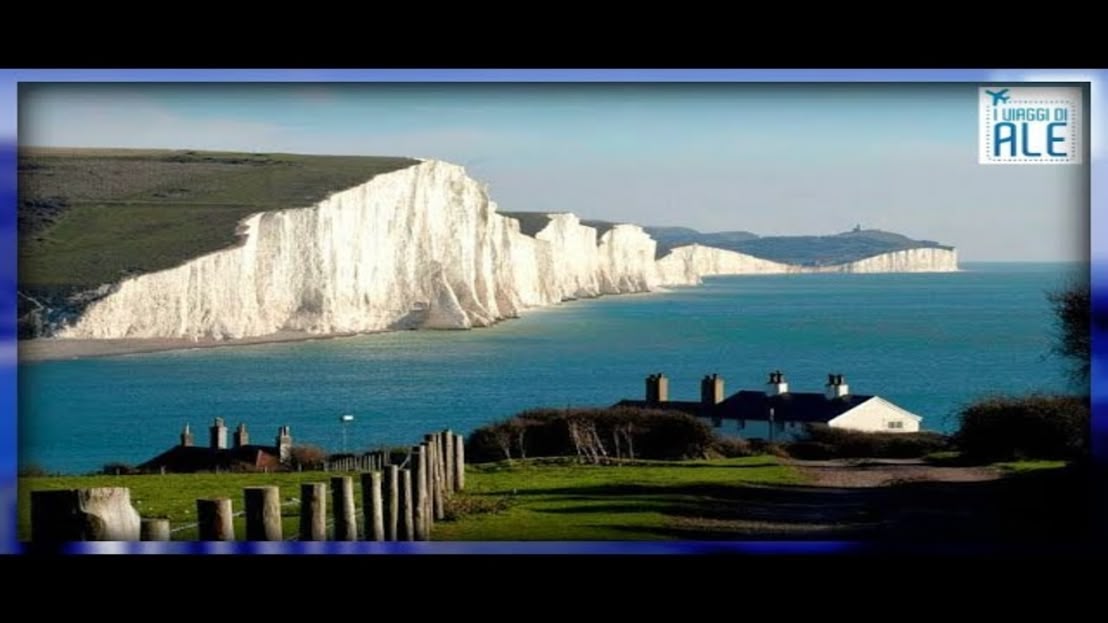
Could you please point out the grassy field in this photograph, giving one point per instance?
(534, 500)
(752, 497)
(565, 501)
(89, 216)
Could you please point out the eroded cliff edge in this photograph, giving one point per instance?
(422, 247)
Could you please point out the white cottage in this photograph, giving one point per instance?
(779, 412)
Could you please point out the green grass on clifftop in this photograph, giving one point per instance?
(94, 216)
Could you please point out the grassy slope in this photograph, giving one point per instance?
(724, 499)
(175, 495)
(91, 216)
(581, 502)
(539, 510)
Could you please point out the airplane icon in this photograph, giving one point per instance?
(999, 96)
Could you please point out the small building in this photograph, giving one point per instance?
(775, 411)
(217, 456)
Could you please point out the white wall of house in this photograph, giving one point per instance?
(759, 429)
(879, 416)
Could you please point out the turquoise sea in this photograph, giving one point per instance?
(928, 342)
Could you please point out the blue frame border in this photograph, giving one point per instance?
(9, 79)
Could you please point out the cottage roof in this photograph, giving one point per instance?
(199, 458)
(755, 405)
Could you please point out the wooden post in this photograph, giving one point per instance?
(459, 462)
(372, 507)
(342, 492)
(419, 495)
(448, 442)
(96, 514)
(313, 511)
(215, 521)
(405, 530)
(429, 501)
(155, 529)
(263, 514)
(391, 487)
(440, 482)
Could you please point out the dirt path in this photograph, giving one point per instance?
(866, 473)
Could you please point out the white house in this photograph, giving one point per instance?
(777, 412)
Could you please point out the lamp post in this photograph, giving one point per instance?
(345, 419)
(771, 424)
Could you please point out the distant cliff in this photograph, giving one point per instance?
(687, 264)
(834, 250)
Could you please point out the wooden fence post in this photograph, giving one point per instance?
(155, 529)
(448, 442)
(342, 491)
(263, 514)
(373, 507)
(429, 501)
(419, 495)
(215, 520)
(436, 476)
(440, 489)
(391, 488)
(95, 514)
(405, 531)
(313, 511)
(459, 462)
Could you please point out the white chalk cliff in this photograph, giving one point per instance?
(921, 260)
(421, 247)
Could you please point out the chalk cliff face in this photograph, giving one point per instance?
(689, 263)
(422, 247)
(923, 260)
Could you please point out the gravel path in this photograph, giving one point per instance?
(865, 473)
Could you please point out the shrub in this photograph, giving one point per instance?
(811, 451)
(824, 442)
(592, 435)
(307, 457)
(731, 447)
(1032, 427)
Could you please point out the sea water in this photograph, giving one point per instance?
(930, 343)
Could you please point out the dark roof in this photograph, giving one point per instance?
(755, 405)
(790, 407)
(202, 459)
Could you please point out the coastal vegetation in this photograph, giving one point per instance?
(594, 436)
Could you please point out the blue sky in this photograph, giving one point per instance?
(769, 158)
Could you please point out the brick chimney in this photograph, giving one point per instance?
(186, 437)
(241, 437)
(836, 387)
(777, 384)
(657, 388)
(711, 390)
(218, 434)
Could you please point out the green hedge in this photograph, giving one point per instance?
(620, 432)
(1027, 427)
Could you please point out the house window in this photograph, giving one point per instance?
(897, 424)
